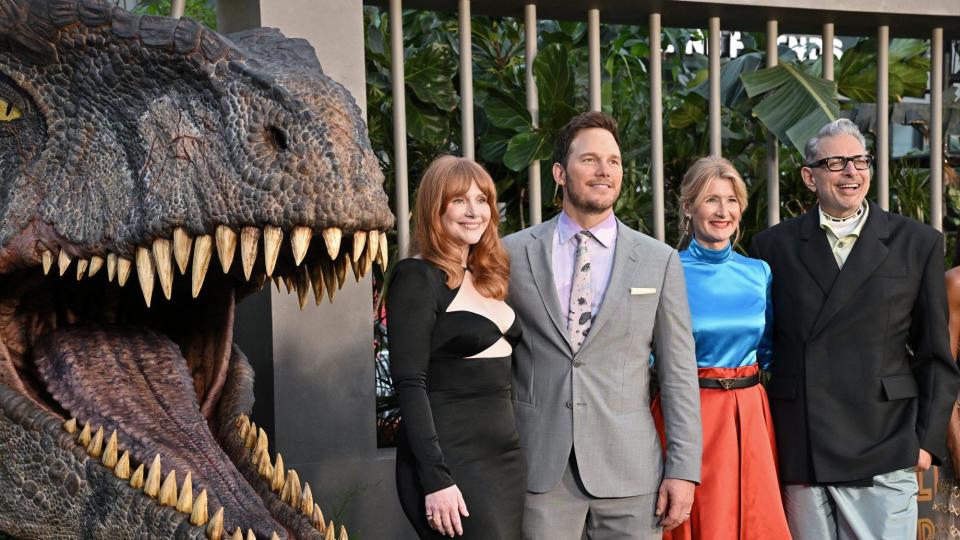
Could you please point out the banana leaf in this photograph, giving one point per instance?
(795, 105)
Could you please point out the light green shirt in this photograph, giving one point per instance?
(840, 236)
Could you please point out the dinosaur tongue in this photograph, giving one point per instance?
(135, 380)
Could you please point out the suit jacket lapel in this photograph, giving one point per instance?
(815, 251)
(867, 254)
(540, 257)
(625, 259)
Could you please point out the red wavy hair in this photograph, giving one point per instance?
(446, 178)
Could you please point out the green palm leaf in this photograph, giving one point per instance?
(795, 105)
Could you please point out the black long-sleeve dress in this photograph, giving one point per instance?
(457, 417)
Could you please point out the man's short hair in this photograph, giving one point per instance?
(841, 126)
(587, 120)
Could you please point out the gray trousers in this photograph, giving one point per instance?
(568, 512)
(885, 511)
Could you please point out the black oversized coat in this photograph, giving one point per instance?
(862, 372)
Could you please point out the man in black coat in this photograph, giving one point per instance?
(863, 379)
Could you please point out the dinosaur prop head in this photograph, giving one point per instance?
(151, 172)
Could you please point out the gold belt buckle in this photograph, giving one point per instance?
(726, 383)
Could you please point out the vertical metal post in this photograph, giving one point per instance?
(883, 117)
(773, 146)
(936, 129)
(593, 44)
(656, 129)
(530, 54)
(399, 128)
(466, 82)
(714, 51)
(177, 7)
(826, 51)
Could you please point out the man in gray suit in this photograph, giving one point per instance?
(595, 298)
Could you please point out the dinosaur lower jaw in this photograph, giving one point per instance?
(95, 357)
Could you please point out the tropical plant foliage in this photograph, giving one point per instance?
(200, 10)
(790, 100)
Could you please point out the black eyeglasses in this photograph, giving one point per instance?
(839, 163)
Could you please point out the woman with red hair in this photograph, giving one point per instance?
(451, 336)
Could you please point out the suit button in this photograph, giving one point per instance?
(577, 363)
(569, 404)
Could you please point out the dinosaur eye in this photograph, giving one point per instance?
(277, 137)
(8, 111)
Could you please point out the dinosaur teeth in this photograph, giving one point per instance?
(47, 259)
(266, 469)
(70, 426)
(95, 448)
(215, 527)
(300, 241)
(202, 251)
(111, 266)
(96, 263)
(262, 441)
(303, 285)
(331, 531)
(152, 486)
(259, 458)
(332, 237)
(306, 500)
(272, 237)
(226, 246)
(374, 246)
(328, 279)
(293, 481)
(250, 535)
(249, 237)
(355, 265)
(317, 519)
(162, 251)
(364, 265)
(383, 253)
(124, 266)
(237, 534)
(122, 470)
(198, 516)
(136, 481)
(110, 453)
(244, 426)
(182, 243)
(185, 502)
(82, 265)
(359, 241)
(251, 436)
(273, 536)
(84, 438)
(168, 491)
(340, 266)
(316, 279)
(277, 482)
(343, 533)
(63, 261)
(145, 273)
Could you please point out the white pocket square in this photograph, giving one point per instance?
(642, 290)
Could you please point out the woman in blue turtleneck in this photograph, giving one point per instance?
(739, 494)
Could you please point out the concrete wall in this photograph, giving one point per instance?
(315, 370)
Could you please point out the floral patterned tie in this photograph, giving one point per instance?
(581, 295)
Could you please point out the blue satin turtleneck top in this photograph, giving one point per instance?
(729, 297)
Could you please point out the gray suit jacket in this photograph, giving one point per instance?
(597, 402)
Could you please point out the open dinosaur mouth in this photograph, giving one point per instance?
(146, 379)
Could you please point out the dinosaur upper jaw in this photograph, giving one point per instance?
(91, 352)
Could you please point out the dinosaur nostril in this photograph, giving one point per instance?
(277, 137)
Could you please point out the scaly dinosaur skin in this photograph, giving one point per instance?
(152, 172)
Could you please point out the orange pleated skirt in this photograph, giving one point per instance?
(739, 493)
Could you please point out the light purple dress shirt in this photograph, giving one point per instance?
(600, 248)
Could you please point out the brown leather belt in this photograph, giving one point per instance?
(730, 384)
